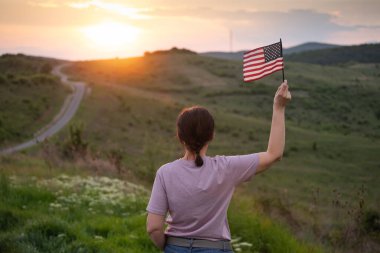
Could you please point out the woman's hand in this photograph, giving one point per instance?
(282, 96)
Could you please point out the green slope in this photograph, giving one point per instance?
(332, 138)
(315, 191)
(367, 53)
(30, 96)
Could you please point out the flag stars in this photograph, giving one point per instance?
(272, 52)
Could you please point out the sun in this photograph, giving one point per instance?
(111, 35)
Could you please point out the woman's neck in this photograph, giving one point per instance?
(190, 155)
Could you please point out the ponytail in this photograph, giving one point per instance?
(198, 159)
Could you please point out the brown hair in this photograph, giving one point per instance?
(195, 127)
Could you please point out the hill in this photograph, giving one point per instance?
(30, 96)
(296, 49)
(309, 46)
(368, 53)
(332, 141)
(324, 190)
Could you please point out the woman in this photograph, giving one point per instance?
(196, 189)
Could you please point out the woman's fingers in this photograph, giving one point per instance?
(283, 88)
(288, 95)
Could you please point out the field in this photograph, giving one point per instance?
(30, 96)
(323, 195)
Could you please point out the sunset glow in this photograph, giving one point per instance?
(88, 29)
(111, 35)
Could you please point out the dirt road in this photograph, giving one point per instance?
(66, 113)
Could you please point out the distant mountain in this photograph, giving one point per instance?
(225, 55)
(173, 50)
(296, 49)
(367, 53)
(308, 47)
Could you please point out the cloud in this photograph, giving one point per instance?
(111, 7)
(133, 13)
(44, 4)
(258, 27)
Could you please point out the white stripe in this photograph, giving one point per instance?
(254, 57)
(254, 62)
(254, 52)
(266, 63)
(263, 74)
(261, 70)
(264, 69)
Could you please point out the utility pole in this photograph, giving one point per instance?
(231, 41)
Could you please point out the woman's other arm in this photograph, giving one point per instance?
(155, 229)
(276, 142)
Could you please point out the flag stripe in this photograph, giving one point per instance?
(249, 53)
(261, 76)
(257, 73)
(270, 68)
(256, 53)
(254, 57)
(255, 60)
(262, 65)
(258, 60)
(254, 64)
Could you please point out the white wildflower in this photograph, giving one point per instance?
(98, 237)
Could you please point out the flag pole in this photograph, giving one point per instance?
(283, 75)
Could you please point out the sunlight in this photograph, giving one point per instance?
(111, 35)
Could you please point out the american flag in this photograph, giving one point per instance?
(262, 61)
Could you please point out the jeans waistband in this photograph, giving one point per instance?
(198, 243)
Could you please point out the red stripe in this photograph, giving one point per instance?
(269, 68)
(255, 64)
(262, 72)
(253, 60)
(260, 76)
(255, 69)
(250, 51)
(246, 57)
(253, 57)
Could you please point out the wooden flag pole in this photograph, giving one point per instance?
(283, 75)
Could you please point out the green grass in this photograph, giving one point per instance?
(30, 96)
(332, 129)
(331, 150)
(99, 214)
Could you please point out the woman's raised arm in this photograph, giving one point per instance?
(276, 142)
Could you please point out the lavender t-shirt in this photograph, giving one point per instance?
(197, 198)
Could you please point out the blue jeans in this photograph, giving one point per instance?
(169, 248)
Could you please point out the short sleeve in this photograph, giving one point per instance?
(242, 167)
(158, 203)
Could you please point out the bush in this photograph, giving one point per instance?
(46, 68)
(75, 143)
(8, 220)
(371, 221)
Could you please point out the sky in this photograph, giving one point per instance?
(94, 29)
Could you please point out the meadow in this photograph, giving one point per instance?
(322, 197)
(30, 96)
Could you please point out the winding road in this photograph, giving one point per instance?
(66, 113)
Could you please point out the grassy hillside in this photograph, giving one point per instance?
(29, 96)
(325, 190)
(308, 47)
(368, 53)
(79, 212)
(238, 55)
(332, 138)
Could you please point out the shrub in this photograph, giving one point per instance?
(8, 220)
(371, 221)
(46, 68)
(75, 143)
